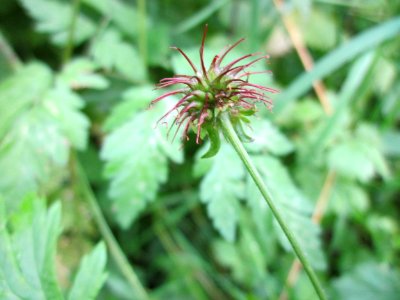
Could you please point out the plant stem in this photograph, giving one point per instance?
(319, 211)
(71, 31)
(232, 137)
(9, 54)
(115, 250)
(142, 30)
(306, 59)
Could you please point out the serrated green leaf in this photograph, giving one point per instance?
(348, 198)
(293, 205)
(91, 274)
(221, 189)
(30, 255)
(27, 253)
(112, 53)
(137, 155)
(368, 281)
(266, 137)
(350, 159)
(54, 18)
(25, 87)
(41, 127)
(64, 105)
(233, 255)
(360, 156)
(133, 100)
(80, 73)
(368, 133)
(29, 154)
(122, 14)
(247, 259)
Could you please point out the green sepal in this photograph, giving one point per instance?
(215, 141)
(244, 119)
(247, 112)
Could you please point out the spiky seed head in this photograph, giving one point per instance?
(209, 92)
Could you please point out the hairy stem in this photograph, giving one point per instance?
(114, 248)
(232, 137)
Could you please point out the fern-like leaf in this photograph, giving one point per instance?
(27, 255)
(90, 274)
(294, 206)
(221, 188)
(267, 138)
(137, 155)
(113, 54)
(54, 18)
(368, 281)
(37, 131)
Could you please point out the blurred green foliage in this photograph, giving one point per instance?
(78, 76)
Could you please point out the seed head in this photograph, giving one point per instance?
(209, 92)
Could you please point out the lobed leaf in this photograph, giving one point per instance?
(28, 244)
(266, 137)
(293, 205)
(112, 53)
(221, 188)
(91, 274)
(22, 91)
(38, 130)
(122, 14)
(80, 73)
(360, 156)
(368, 281)
(54, 18)
(136, 154)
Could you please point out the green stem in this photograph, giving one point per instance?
(71, 31)
(115, 250)
(9, 54)
(232, 137)
(142, 30)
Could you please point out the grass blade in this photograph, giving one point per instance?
(337, 58)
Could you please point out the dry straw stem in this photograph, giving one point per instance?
(305, 56)
(319, 88)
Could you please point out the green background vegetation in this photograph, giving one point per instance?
(76, 79)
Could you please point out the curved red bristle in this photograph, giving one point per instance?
(176, 106)
(169, 94)
(187, 58)
(220, 88)
(229, 50)
(254, 73)
(202, 51)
